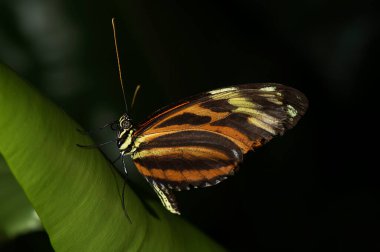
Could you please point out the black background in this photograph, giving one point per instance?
(313, 189)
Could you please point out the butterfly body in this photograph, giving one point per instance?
(125, 135)
(200, 141)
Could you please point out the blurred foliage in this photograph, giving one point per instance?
(311, 189)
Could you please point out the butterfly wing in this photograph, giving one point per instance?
(200, 141)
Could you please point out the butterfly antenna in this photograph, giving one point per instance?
(134, 95)
(118, 63)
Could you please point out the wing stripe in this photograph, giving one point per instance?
(149, 122)
(188, 175)
(186, 151)
(200, 143)
(185, 118)
(177, 163)
(220, 105)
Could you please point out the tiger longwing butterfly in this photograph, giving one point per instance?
(200, 141)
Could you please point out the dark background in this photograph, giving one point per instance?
(314, 189)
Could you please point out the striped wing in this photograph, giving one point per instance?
(200, 141)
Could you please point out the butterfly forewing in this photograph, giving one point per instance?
(200, 141)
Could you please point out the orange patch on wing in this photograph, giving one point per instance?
(171, 175)
(235, 136)
(142, 127)
(144, 171)
(210, 174)
(195, 109)
(192, 175)
(174, 175)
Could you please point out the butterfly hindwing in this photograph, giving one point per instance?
(191, 157)
(166, 196)
(200, 141)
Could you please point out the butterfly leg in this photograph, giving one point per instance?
(112, 125)
(123, 191)
(124, 203)
(124, 165)
(96, 145)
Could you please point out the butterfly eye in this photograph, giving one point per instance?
(125, 124)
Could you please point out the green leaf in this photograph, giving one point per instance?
(73, 189)
(17, 216)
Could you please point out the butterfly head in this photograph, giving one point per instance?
(125, 123)
(125, 132)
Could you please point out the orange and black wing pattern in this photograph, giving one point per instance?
(200, 141)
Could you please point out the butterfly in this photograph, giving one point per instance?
(200, 141)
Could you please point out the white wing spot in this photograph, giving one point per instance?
(217, 91)
(268, 89)
(275, 101)
(236, 154)
(292, 112)
(241, 102)
(262, 125)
